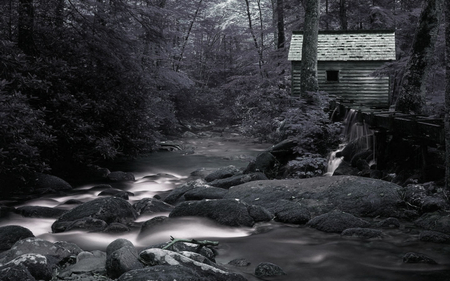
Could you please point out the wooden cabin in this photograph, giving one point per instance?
(346, 63)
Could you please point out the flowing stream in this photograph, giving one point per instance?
(302, 252)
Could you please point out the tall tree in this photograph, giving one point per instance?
(280, 24)
(413, 87)
(25, 27)
(343, 14)
(308, 77)
(447, 96)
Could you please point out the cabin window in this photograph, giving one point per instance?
(332, 75)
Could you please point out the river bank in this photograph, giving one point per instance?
(277, 229)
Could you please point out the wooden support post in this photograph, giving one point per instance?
(380, 149)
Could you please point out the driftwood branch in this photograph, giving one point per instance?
(201, 243)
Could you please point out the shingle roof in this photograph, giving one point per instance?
(348, 46)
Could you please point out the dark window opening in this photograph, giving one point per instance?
(332, 75)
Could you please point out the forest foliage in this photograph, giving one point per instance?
(83, 82)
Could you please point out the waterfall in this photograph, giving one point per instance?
(356, 133)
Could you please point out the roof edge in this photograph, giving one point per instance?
(349, 31)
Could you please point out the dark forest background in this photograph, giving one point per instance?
(88, 81)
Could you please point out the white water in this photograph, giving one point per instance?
(353, 131)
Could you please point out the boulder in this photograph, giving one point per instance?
(284, 151)
(237, 180)
(259, 213)
(13, 272)
(176, 195)
(224, 211)
(39, 212)
(222, 173)
(336, 222)
(241, 262)
(205, 192)
(291, 212)
(151, 205)
(389, 223)
(10, 234)
(161, 273)
(156, 256)
(53, 253)
(87, 263)
(121, 257)
(434, 221)
(116, 227)
(119, 176)
(365, 233)
(434, 236)
(363, 197)
(183, 247)
(37, 265)
(265, 163)
(116, 193)
(267, 269)
(45, 181)
(412, 257)
(90, 214)
(148, 226)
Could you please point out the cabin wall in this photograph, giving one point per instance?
(355, 85)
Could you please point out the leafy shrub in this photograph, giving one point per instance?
(307, 166)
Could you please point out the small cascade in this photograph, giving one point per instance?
(358, 135)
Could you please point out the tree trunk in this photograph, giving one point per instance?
(255, 40)
(280, 24)
(447, 96)
(308, 77)
(25, 27)
(413, 87)
(343, 15)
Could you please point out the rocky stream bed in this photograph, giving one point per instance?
(236, 223)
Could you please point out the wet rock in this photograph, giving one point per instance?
(37, 265)
(389, 223)
(267, 269)
(116, 227)
(39, 212)
(291, 212)
(336, 222)
(366, 233)
(176, 195)
(161, 273)
(87, 263)
(345, 168)
(156, 256)
(434, 221)
(412, 257)
(265, 163)
(222, 173)
(90, 215)
(116, 193)
(259, 213)
(119, 176)
(10, 234)
(433, 203)
(434, 236)
(5, 211)
(205, 192)
(121, 257)
(73, 249)
(45, 181)
(224, 211)
(363, 197)
(240, 262)
(47, 255)
(237, 180)
(12, 272)
(283, 151)
(148, 226)
(151, 205)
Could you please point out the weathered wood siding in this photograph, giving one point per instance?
(356, 85)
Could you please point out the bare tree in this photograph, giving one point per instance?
(280, 24)
(25, 27)
(308, 77)
(447, 96)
